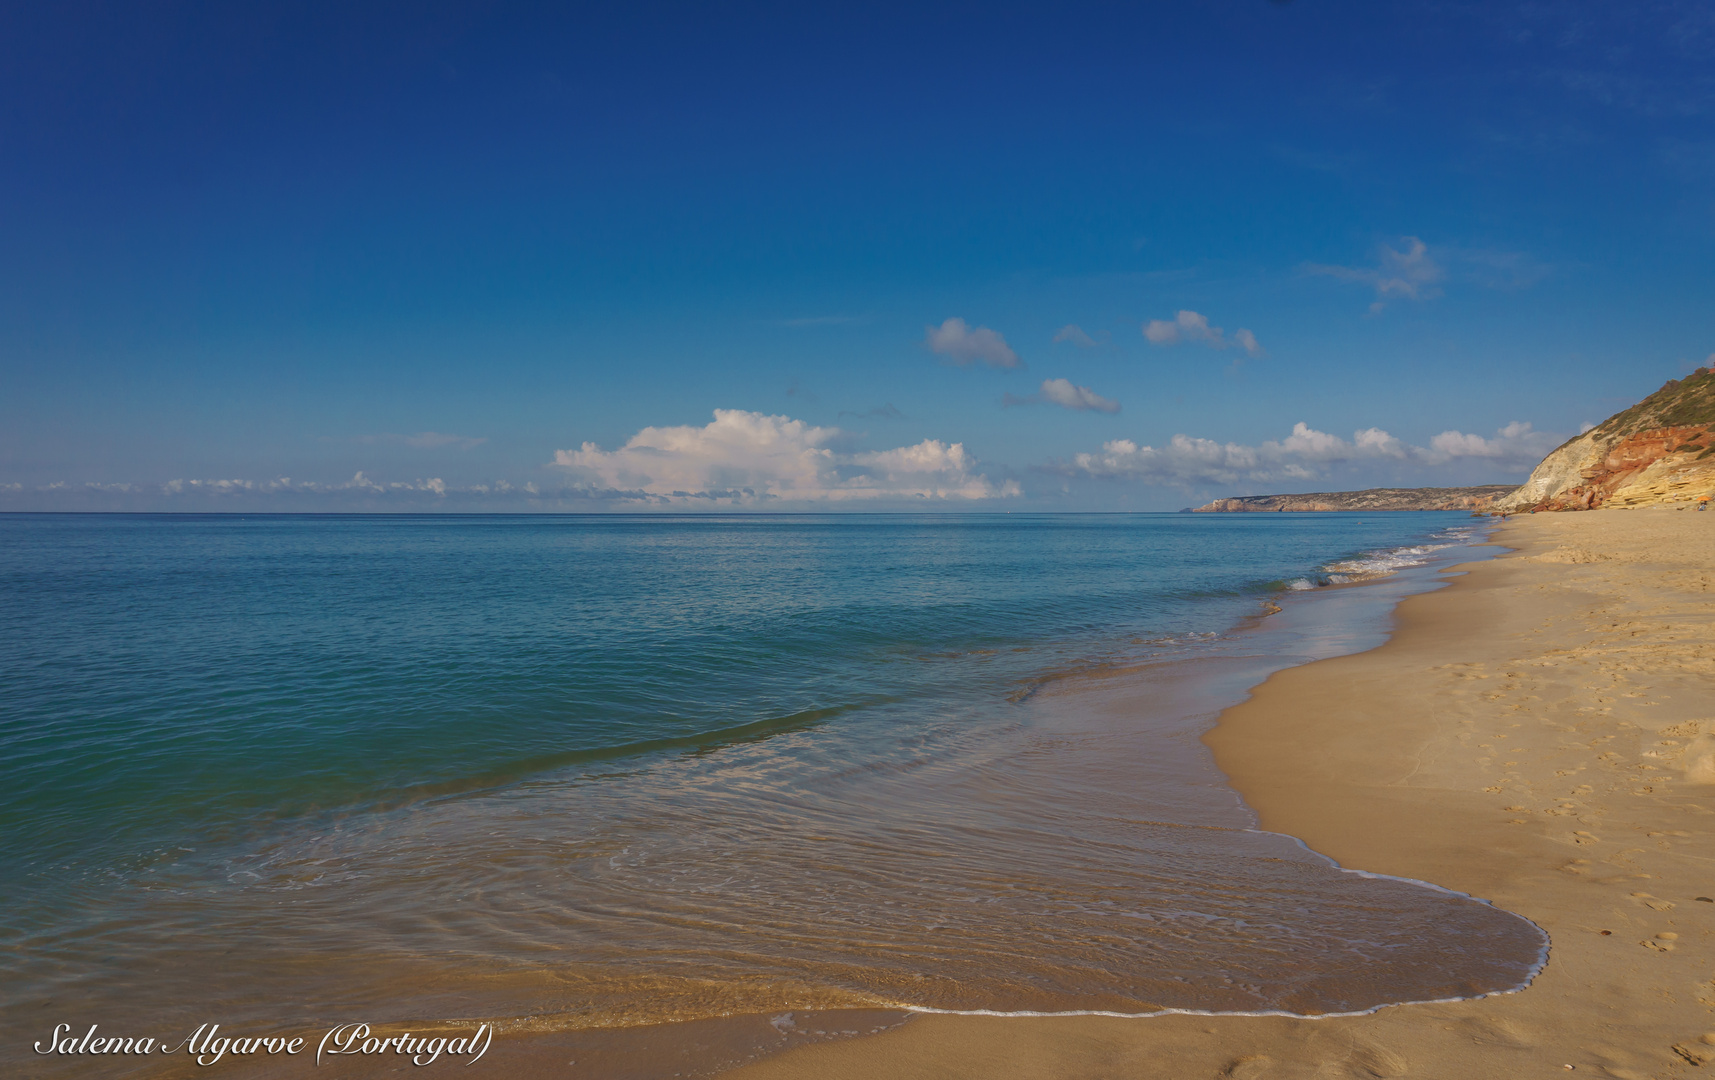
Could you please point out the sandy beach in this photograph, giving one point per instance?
(1540, 734)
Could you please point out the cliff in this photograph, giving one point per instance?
(1661, 450)
(1463, 498)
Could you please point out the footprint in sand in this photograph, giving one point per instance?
(1695, 1054)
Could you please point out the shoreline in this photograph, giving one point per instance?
(1587, 648)
(1341, 620)
(1344, 616)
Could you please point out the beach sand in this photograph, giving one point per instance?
(1540, 734)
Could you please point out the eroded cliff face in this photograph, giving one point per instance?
(1660, 450)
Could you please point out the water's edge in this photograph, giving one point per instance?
(1380, 599)
(1341, 619)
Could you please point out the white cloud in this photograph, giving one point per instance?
(1081, 398)
(1515, 444)
(285, 484)
(1408, 272)
(751, 457)
(1190, 326)
(1184, 460)
(361, 490)
(1067, 395)
(1074, 333)
(931, 456)
(961, 345)
(1374, 442)
(1304, 455)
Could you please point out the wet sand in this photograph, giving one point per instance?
(1541, 734)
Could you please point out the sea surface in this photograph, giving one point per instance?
(608, 770)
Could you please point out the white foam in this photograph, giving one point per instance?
(1375, 564)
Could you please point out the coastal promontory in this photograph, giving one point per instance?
(1661, 450)
(1449, 498)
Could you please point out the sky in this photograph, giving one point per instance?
(777, 257)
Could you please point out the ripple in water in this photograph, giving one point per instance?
(924, 837)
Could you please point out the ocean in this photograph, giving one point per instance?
(606, 771)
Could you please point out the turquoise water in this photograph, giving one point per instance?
(174, 676)
(639, 768)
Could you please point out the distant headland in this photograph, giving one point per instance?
(1449, 498)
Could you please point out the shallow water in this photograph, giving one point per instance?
(610, 771)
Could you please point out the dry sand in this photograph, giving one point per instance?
(1541, 734)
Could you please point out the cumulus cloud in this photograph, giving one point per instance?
(931, 457)
(1081, 398)
(1067, 395)
(962, 345)
(754, 457)
(1074, 333)
(1188, 326)
(1515, 444)
(1407, 272)
(1191, 326)
(1184, 460)
(1304, 455)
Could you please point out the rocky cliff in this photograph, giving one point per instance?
(1660, 450)
(1465, 498)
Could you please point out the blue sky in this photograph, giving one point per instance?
(751, 256)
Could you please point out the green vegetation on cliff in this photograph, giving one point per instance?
(1679, 403)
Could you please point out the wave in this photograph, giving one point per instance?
(1383, 562)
